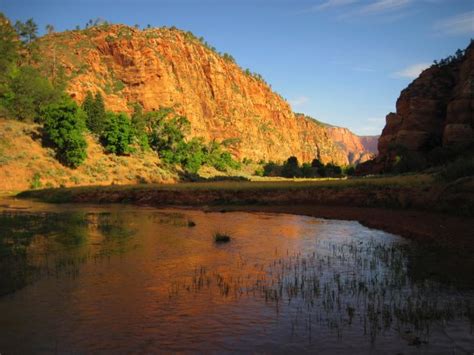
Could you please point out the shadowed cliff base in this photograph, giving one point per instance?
(413, 205)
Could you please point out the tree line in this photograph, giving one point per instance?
(291, 168)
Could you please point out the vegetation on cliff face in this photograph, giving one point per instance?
(29, 96)
(225, 113)
(167, 67)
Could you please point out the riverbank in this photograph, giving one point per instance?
(413, 206)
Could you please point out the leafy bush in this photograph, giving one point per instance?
(36, 181)
(193, 155)
(167, 137)
(117, 135)
(64, 125)
(461, 167)
(409, 161)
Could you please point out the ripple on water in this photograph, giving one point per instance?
(139, 279)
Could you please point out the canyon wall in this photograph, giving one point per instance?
(435, 111)
(171, 68)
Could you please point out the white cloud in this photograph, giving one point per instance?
(301, 100)
(412, 71)
(459, 24)
(383, 6)
(332, 3)
(378, 7)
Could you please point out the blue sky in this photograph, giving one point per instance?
(341, 61)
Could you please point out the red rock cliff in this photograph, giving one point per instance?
(171, 68)
(435, 110)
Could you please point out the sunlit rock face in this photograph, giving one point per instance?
(435, 110)
(358, 149)
(171, 68)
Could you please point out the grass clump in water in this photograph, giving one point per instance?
(221, 237)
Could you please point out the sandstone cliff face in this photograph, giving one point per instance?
(170, 68)
(435, 110)
(358, 149)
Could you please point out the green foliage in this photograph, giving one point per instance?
(117, 135)
(291, 168)
(94, 108)
(27, 93)
(218, 157)
(349, 170)
(227, 57)
(139, 127)
(308, 171)
(167, 136)
(27, 30)
(459, 56)
(406, 160)
(36, 181)
(8, 49)
(333, 170)
(193, 155)
(259, 172)
(49, 28)
(461, 167)
(64, 125)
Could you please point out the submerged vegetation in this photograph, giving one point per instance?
(335, 277)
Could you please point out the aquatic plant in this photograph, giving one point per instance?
(221, 237)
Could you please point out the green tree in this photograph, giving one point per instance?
(319, 167)
(27, 30)
(117, 135)
(291, 168)
(333, 170)
(8, 48)
(308, 171)
(194, 155)
(95, 111)
(49, 28)
(139, 125)
(64, 126)
(28, 92)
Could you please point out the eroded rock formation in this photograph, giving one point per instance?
(171, 68)
(435, 110)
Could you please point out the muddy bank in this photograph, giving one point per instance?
(435, 213)
(455, 198)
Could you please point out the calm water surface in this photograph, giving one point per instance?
(129, 279)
